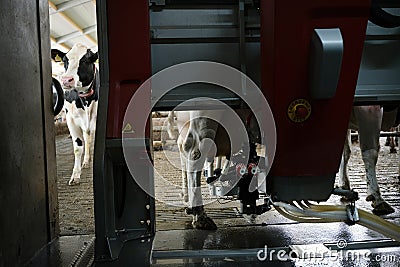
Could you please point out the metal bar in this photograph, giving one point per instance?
(202, 40)
(367, 244)
(73, 23)
(66, 47)
(208, 253)
(66, 5)
(242, 44)
(383, 134)
(217, 253)
(242, 37)
(348, 194)
(201, 2)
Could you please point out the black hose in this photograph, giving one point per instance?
(58, 99)
(382, 18)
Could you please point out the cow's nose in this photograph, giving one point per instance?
(67, 80)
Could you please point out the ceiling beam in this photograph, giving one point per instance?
(66, 47)
(66, 5)
(73, 23)
(72, 35)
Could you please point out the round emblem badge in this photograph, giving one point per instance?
(299, 110)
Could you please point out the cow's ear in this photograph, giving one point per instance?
(57, 55)
(94, 57)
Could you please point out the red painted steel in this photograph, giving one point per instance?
(129, 57)
(313, 147)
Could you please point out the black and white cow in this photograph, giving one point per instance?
(81, 84)
(368, 121)
(195, 130)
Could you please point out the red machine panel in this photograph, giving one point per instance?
(312, 144)
(299, 40)
(129, 57)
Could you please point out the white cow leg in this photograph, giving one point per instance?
(78, 151)
(86, 158)
(399, 167)
(225, 168)
(195, 164)
(218, 163)
(370, 158)
(343, 176)
(380, 206)
(77, 142)
(209, 168)
(392, 146)
(185, 194)
(89, 135)
(200, 218)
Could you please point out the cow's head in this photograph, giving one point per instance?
(79, 67)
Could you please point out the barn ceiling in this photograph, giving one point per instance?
(73, 21)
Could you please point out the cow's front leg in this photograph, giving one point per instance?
(343, 177)
(86, 158)
(398, 169)
(90, 133)
(78, 151)
(381, 207)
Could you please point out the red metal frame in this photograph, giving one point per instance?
(129, 57)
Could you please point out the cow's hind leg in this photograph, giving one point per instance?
(184, 194)
(392, 145)
(369, 120)
(380, 206)
(200, 219)
(196, 157)
(344, 182)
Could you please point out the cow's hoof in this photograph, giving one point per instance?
(85, 165)
(189, 211)
(382, 209)
(345, 199)
(204, 223)
(250, 218)
(393, 150)
(74, 182)
(370, 198)
(184, 196)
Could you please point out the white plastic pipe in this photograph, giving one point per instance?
(336, 213)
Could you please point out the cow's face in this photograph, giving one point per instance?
(79, 67)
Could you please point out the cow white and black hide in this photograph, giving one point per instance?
(368, 121)
(196, 131)
(81, 84)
